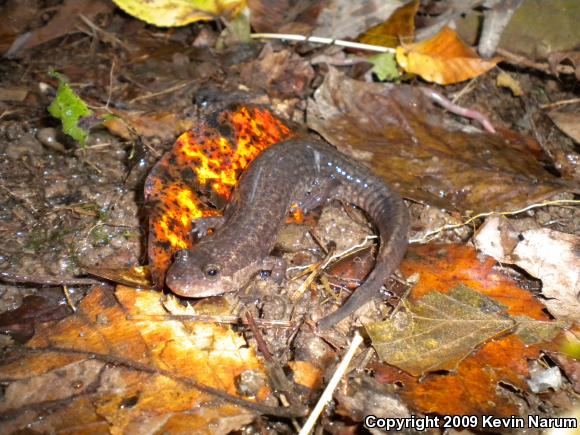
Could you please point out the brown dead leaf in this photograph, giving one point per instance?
(341, 19)
(17, 17)
(572, 57)
(126, 375)
(474, 387)
(443, 59)
(281, 74)
(284, 16)
(397, 132)
(568, 122)
(64, 22)
(164, 125)
(20, 323)
(306, 374)
(548, 255)
(399, 27)
(137, 276)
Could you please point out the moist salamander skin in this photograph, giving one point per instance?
(287, 173)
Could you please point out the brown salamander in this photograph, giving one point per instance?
(294, 171)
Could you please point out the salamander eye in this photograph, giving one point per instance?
(211, 270)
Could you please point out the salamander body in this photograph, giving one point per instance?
(294, 171)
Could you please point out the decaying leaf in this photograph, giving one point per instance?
(573, 57)
(100, 369)
(137, 276)
(443, 59)
(439, 330)
(281, 74)
(342, 19)
(168, 13)
(568, 122)
(473, 387)
(400, 26)
(65, 21)
(164, 125)
(306, 374)
(398, 133)
(548, 255)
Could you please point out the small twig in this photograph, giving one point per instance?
(45, 280)
(206, 318)
(316, 269)
(464, 91)
(321, 40)
(23, 199)
(68, 298)
(156, 94)
(428, 236)
(560, 103)
(329, 390)
(289, 412)
(520, 60)
(275, 371)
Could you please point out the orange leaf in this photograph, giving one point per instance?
(474, 388)
(399, 26)
(117, 363)
(443, 59)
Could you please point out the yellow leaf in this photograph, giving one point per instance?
(399, 26)
(169, 13)
(443, 59)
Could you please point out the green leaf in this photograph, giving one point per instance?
(385, 66)
(69, 108)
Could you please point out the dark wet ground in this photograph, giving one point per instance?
(63, 208)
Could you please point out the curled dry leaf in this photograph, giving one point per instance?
(443, 59)
(398, 132)
(98, 368)
(548, 255)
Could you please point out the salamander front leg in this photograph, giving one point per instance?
(201, 227)
(275, 267)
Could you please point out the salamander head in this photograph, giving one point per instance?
(197, 274)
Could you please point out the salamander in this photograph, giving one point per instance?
(299, 170)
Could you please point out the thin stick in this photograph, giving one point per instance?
(560, 103)
(164, 91)
(329, 390)
(427, 236)
(321, 40)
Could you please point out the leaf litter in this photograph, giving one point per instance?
(412, 143)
